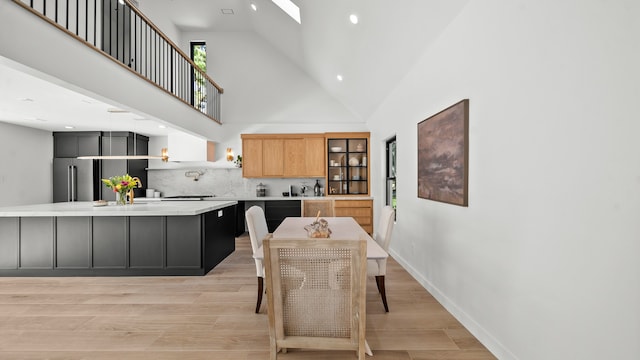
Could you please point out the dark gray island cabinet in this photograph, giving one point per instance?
(77, 239)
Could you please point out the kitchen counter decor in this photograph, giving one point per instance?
(121, 185)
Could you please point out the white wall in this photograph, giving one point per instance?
(543, 264)
(264, 86)
(25, 165)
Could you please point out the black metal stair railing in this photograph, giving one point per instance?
(119, 30)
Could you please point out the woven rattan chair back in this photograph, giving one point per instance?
(311, 207)
(316, 293)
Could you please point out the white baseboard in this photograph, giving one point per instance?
(490, 342)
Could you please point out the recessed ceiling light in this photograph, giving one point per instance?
(353, 18)
(254, 7)
(227, 11)
(116, 110)
(68, 127)
(162, 126)
(339, 77)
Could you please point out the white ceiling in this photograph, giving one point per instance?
(30, 101)
(372, 56)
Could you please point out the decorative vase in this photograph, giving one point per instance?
(121, 198)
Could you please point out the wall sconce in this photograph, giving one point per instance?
(229, 154)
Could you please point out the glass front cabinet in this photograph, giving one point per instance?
(347, 164)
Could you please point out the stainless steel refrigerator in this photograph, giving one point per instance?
(75, 180)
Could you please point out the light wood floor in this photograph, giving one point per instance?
(208, 317)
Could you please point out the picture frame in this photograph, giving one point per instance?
(443, 155)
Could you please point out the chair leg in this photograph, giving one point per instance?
(260, 291)
(381, 290)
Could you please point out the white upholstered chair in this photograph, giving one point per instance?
(382, 236)
(316, 294)
(257, 225)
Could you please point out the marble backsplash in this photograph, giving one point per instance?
(221, 182)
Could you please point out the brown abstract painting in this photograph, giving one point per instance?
(443, 151)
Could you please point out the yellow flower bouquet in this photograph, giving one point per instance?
(121, 185)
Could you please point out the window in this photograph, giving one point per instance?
(199, 89)
(391, 172)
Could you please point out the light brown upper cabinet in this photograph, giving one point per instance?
(251, 157)
(294, 158)
(272, 157)
(283, 155)
(315, 160)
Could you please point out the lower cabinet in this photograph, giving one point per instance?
(36, 243)
(109, 242)
(9, 242)
(361, 210)
(72, 247)
(184, 247)
(116, 246)
(219, 236)
(276, 211)
(146, 248)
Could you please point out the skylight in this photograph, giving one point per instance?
(290, 8)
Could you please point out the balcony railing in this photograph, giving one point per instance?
(117, 29)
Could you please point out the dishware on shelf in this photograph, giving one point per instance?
(336, 148)
(354, 161)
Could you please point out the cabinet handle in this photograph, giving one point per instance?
(69, 183)
(73, 183)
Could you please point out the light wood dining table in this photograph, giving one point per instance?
(341, 228)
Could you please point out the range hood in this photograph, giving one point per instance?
(186, 147)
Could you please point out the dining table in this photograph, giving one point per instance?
(343, 228)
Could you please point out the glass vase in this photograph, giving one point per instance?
(121, 198)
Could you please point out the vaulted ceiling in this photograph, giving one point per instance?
(372, 56)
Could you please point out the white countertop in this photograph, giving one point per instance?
(301, 198)
(86, 208)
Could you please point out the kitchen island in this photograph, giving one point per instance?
(80, 239)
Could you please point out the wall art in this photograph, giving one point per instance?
(443, 155)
